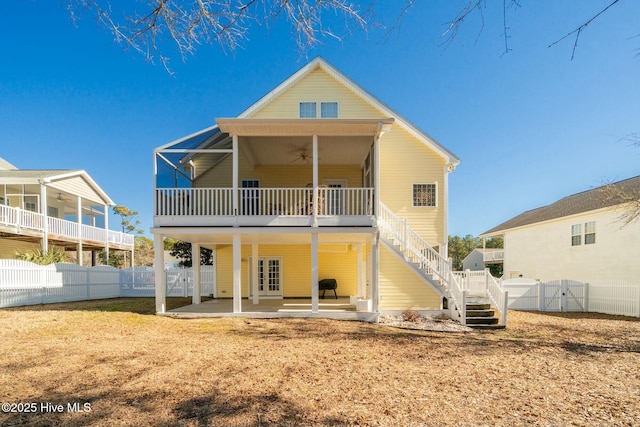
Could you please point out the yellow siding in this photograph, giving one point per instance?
(8, 248)
(278, 176)
(296, 268)
(318, 86)
(405, 161)
(401, 289)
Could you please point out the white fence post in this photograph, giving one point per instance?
(540, 295)
(586, 298)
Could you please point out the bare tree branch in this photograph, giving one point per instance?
(578, 30)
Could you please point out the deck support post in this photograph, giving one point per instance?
(195, 262)
(361, 293)
(315, 204)
(234, 176)
(106, 229)
(375, 257)
(45, 218)
(161, 278)
(254, 273)
(79, 249)
(314, 273)
(237, 288)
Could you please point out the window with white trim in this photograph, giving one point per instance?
(308, 110)
(576, 235)
(329, 110)
(424, 195)
(590, 233)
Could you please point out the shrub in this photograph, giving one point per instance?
(410, 316)
(38, 256)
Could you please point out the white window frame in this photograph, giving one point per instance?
(326, 103)
(588, 231)
(413, 193)
(315, 109)
(576, 234)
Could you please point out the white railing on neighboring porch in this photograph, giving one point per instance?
(264, 202)
(23, 219)
(495, 255)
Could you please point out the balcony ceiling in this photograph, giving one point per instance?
(290, 141)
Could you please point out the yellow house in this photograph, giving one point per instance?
(316, 180)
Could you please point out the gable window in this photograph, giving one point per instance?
(308, 110)
(424, 195)
(576, 234)
(329, 110)
(589, 233)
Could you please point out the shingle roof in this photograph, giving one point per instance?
(34, 173)
(597, 198)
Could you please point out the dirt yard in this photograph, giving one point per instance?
(113, 363)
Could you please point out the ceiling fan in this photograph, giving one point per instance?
(61, 198)
(302, 157)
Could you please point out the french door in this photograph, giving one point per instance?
(269, 276)
(335, 203)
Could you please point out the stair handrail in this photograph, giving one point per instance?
(498, 296)
(415, 249)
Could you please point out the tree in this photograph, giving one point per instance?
(183, 251)
(147, 26)
(460, 247)
(143, 251)
(128, 217)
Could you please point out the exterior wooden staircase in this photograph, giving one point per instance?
(475, 307)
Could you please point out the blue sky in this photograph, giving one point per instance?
(530, 126)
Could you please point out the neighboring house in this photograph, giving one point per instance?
(316, 180)
(480, 258)
(43, 208)
(580, 237)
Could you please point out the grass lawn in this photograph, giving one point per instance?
(133, 368)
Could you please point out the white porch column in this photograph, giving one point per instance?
(315, 180)
(79, 250)
(195, 263)
(374, 273)
(106, 227)
(234, 175)
(376, 175)
(237, 268)
(314, 273)
(361, 293)
(161, 279)
(254, 273)
(45, 217)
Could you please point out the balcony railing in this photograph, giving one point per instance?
(22, 219)
(497, 255)
(264, 203)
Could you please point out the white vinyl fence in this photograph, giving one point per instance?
(24, 283)
(607, 296)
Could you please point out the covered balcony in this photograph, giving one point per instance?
(270, 172)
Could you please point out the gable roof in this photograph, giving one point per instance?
(50, 176)
(4, 165)
(597, 198)
(321, 63)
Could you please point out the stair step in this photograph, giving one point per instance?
(485, 327)
(478, 306)
(482, 321)
(480, 313)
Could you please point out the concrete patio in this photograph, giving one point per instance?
(330, 308)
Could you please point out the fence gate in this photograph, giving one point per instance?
(564, 295)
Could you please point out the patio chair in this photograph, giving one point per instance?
(328, 285)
